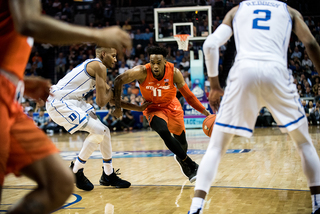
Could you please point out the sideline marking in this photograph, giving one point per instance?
(71, 155)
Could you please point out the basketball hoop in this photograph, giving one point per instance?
(183, 41)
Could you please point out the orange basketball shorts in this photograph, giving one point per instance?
(22, 142)
(172, 114)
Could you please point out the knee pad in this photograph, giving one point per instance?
(97, 130)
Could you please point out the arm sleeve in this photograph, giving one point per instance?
(211, 48)
(191, 99)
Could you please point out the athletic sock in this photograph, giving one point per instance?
(79, 164)
(107, 167)
(197, 203)
(315, 202)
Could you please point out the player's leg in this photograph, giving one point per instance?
(55, 185)
(188, 166)
(289, 114)
(72, 115)
(233, 118)
(100, 135)
(182, 139)
(90, 144)
(209, 166)
(310, 161)
(160, 126)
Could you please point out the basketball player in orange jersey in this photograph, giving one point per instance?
(157, 81)
(25, 149)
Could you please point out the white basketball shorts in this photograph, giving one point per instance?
(252, 85)
(71, 114)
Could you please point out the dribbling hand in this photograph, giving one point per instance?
(214, 99)
(205, 112)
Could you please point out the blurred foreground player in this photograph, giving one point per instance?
(262, 31)
(25, 149)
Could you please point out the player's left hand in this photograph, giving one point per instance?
(214, 98)
(37, 88)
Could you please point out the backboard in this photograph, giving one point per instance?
(195, 21)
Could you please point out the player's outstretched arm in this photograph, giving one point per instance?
(137, 73)
(132, 107)
(305, 36)
(187, 94)
(29, 21)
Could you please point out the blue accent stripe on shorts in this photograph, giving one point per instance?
(60, 113)
(234, 127)
(291, 123)
(77, 124)
(89, 109)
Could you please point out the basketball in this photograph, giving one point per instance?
(207, 124)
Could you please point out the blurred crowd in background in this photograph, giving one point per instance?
(53, 62)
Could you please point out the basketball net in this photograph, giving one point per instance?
(183, 41)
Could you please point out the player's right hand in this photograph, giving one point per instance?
(214, 99)
(114, 37)
(117, 113)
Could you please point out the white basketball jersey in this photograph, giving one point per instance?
(76, 84)
(262, 30)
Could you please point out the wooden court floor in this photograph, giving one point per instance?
(262, 174)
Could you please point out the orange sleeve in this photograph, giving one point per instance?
(191, 99)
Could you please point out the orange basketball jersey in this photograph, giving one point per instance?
(15, 48)
(159, 92)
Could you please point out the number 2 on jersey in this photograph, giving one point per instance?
(157, 92)
(255, 21)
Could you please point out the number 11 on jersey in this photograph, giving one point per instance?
(157, 92)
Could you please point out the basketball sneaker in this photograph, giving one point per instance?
(82, 182)
(113, 180)
(189, 170)
(194, 169)
(198, 211)
(185, 169)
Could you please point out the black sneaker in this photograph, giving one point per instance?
(82, 182)
(194, 169)
(113, 180)
(189, 170)
(185, 169)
